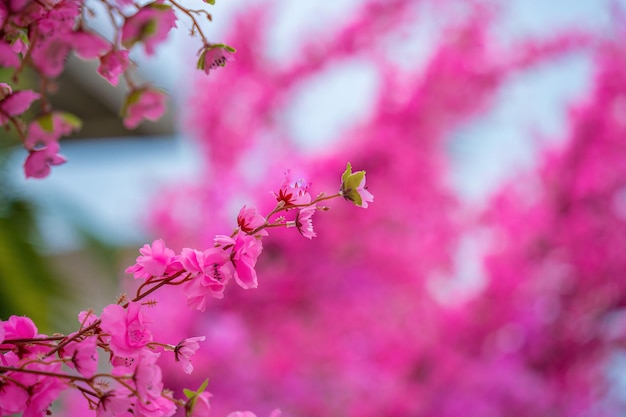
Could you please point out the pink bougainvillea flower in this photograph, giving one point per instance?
(245, 251)
(82, 356)
(214, 56)
(113, 64)
(249, 220)
(48, 128)
(293, 192)
(150, 25)
(185, 350)
(145, 103)
(303, 221)
(156, 260)
(127, 328)
(88, 45)
(14, 103)
(353, 187)
(39, 161)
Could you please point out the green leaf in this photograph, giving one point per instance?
(72, 120)
(46, 122)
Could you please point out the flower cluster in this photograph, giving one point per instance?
(42, 34)
(32, 373)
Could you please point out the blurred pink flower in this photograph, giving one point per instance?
(144, 103)
(150, 25)
(113, 64)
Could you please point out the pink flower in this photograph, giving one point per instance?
(87, 318)
(114, 403)
(185, 350)
(88, 45)
(82, 356)
(147, 377)
(211, 270)
(113, 64)
(150, 25)
(145, 103)
(214, 56)
(249, 220)
(49, 128)
(303, 221)
(13, 398)
(293, 192)
(127, 328)
(14, 103)
(198, 405)
(245, 251)
(353, 187)
(156, 260)
(18, 327)
(39, 161)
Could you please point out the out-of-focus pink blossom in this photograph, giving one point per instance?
(113, 64)
(14, 103)
(47, 129)
(39, 161)
(8, 57)
(89, 45)
(150, 26)
(145, 103)
(213, 57)
(19, 327)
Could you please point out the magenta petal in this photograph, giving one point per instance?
(8, 58)
(88, 45)
(18, 102)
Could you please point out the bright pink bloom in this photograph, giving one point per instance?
(19, 327)
(113, 64)
(14, 103)
(293, 192)
(39, 161)
(2, 332)
(127, 328)
(156, 260)
(150, 25)
(245, 251)
(303, 221)
(200, 406)
(146, 103)
(211, 270)
(249, 220)
(13, 398)
(148, 383)
(185, 350)
(82, 356)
